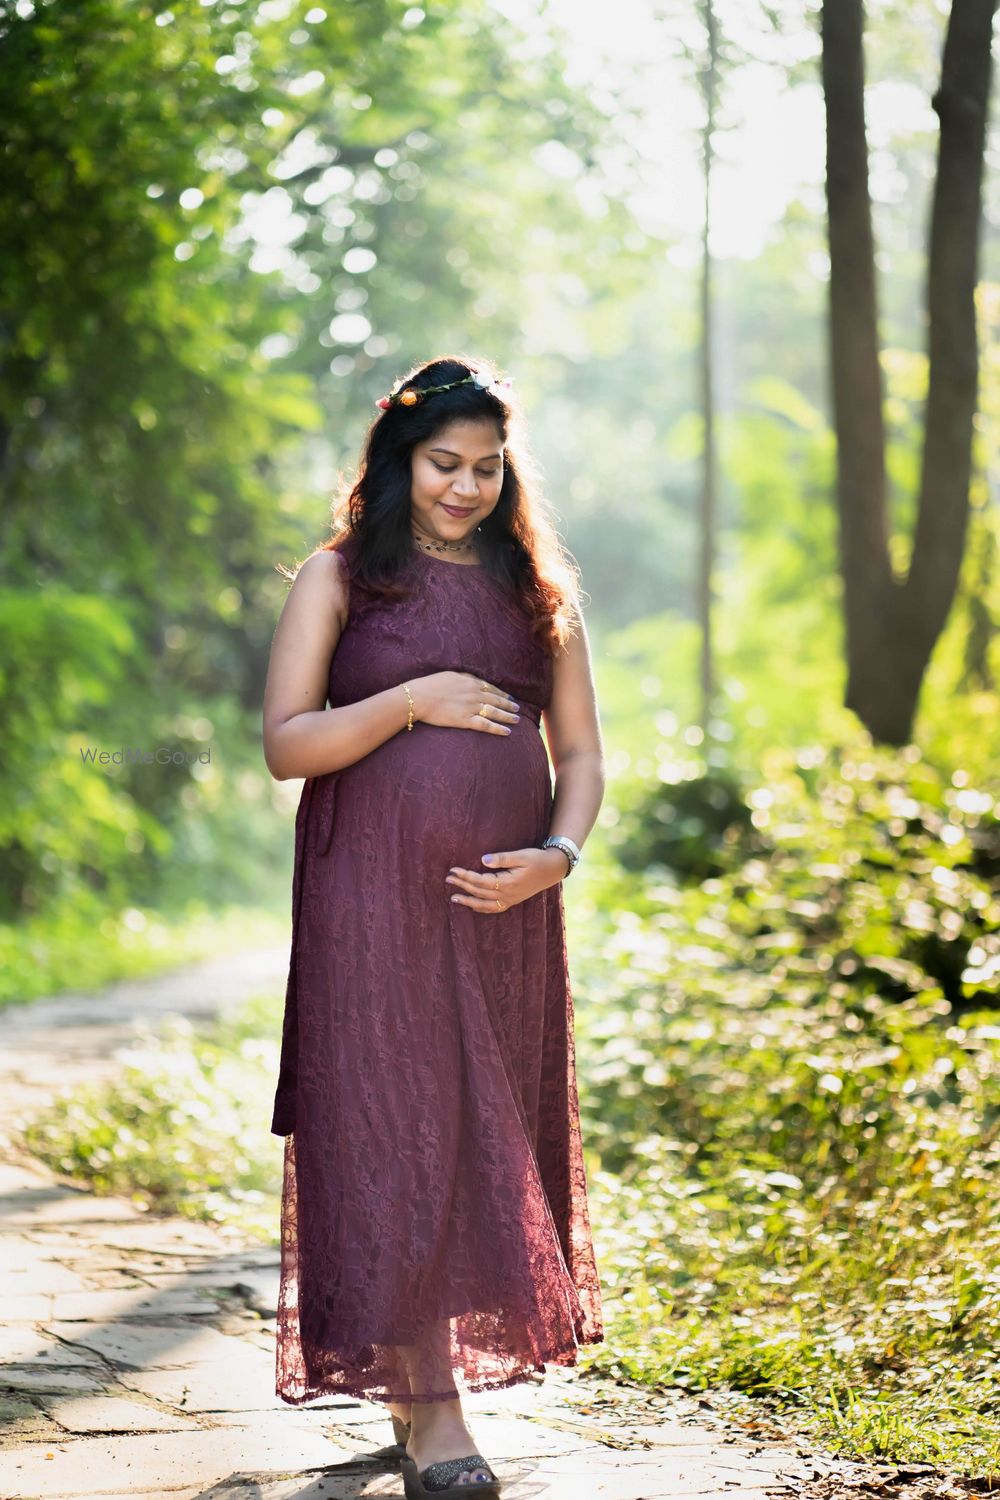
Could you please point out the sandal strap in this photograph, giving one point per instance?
(441, 1475)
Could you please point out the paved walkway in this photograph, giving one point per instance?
(138, 1352)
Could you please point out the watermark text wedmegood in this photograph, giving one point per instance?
(133, 755)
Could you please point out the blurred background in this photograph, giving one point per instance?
(742, 261)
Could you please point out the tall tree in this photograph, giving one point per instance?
(892, 623)
(708, 80)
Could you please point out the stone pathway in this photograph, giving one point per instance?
(138, 1352)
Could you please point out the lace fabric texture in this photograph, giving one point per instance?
(434, 1227)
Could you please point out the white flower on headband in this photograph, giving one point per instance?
(484, 381)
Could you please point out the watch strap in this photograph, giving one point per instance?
(560, 841)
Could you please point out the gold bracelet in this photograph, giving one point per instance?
(409, 712)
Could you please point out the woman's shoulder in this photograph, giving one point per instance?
(326, 572)
(325, 566)
(345, 552)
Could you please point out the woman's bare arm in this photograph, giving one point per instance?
(302, 737)
(573, 733)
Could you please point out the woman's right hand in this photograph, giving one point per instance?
(459, 700)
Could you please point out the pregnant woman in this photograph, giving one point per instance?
(435, 1232)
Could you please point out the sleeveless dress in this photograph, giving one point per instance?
(434, 1189)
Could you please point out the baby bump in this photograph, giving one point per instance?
(450, 795)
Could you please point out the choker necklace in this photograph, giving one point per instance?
(463, 547)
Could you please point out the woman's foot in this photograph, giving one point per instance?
(439, 1432)
(400, 1409)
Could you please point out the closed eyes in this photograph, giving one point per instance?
(486, 473)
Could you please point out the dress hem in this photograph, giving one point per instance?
(564, 1358)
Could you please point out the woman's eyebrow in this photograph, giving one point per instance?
(451, 452)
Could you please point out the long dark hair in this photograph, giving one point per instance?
(518, 543)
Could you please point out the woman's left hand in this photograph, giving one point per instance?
(520, 873)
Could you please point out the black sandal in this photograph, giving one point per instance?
(437, 1479)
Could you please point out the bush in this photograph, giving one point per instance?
(790, 1085)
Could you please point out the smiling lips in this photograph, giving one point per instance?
(454, 510)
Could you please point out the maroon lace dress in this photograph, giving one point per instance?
(434, 1187)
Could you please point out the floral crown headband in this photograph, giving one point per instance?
(409, 395)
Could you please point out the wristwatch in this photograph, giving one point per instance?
(560, 841)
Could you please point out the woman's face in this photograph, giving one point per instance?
(457, 475)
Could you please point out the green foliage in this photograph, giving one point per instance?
(692, 826)
(208, 220)
(65, 654)
(81, 943)
(792, 1096)
(92, 833)
(873, 865)
(181, 1130)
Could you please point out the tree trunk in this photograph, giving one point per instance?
(707, 518)
(892, 625)
(961, 104)
(977, 674)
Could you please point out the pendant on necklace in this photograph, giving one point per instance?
(443, 546)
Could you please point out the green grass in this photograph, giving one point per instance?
(185, 1128)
